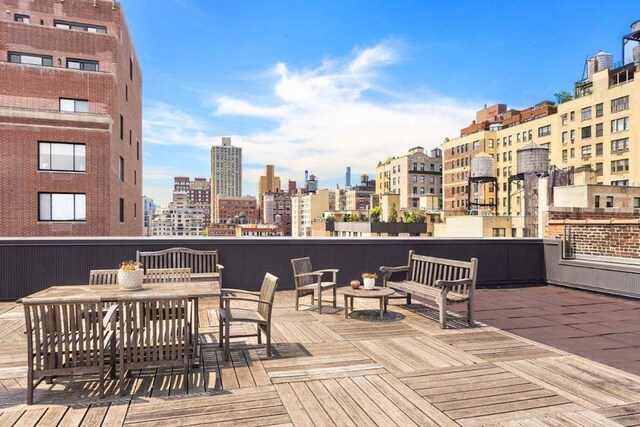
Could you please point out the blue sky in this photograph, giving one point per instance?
(322, 85)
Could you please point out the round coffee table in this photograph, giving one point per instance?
(378, 292)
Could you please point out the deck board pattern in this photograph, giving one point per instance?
(327, 370)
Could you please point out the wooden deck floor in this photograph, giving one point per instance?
(330, 371)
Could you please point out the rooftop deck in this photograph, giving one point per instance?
(330, 371)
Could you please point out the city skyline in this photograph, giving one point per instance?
(296, 88)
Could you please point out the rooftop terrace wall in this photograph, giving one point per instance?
(29, 265)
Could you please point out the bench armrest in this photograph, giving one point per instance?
(227, 300)
(448, 284)
(220, 266)
(313, 273)
(394, 269)
(327, 270)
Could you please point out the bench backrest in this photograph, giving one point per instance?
(197, 261)
(426, 270)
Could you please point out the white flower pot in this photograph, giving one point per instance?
(130, 280)
(369, 282)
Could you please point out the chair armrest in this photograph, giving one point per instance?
(227, 299)
(237, 291)
(448, 284)
(109, 316)
(220, 266)
(313, 273)
(394, 269)
(327, 270)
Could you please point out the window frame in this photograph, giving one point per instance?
(51, 204)
(19, 17)
(50, 169)
(99, 29)
(11, 54)
(620, 104)
(615, 124)
(82, 64)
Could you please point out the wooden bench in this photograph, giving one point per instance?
(440, 279)
(203, 264)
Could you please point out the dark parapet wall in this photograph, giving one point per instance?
(29, 265)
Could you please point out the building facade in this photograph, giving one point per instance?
(237, 210)
(198, 192)
(411, 176)
(269, 182)
(70, 120)
(226, 174)
(305, 208)
(598, 128)
(174, 221)
(277, 210)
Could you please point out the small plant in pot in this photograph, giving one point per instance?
(130, 275)
(369, 280)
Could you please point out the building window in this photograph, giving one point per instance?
(585, 132)
(62, 157)
(564, 155)
(572, 153)
(572, 116)
(121, 169)
(572, 135)
(80, 27)
(137, 150)
(619, 145)
(135, 178)
(121, 209)
(130, 69)
(422, 190)
(135, 210)
(121, 127)
(618, 166)
(621, 183)
(130, 137)
(62, 207)
(30, 59)
(586, 151)
(599, 129)
(564, 119)
(81, 64)
(498, 232)
(585, 114)
(609, 201)
(74, 105)
(423, 179)
(599, 109)
(599, 169)
(620, 125)
(599, 149)
(126, 92)
(596, 202)
(414, 178)
(620, 104)
(636, 202)
(565, 137)
(22, 18)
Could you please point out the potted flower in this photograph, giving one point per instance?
(369, 280)
(130, 275)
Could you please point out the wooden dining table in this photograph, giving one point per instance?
(111, 293)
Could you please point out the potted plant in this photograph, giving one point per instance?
(130, 275)
(369, 280)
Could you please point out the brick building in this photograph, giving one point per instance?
(198, 194)
(70, 120)
(239, 210)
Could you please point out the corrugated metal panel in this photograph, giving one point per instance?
(29, 265)
(617, 279)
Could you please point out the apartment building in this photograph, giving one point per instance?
(178, 221)
(411, 176)
(226, 174)
(305, 208)
(237, 210)
(70, 120)
(276, 209)
(198, 194)
(598, 129)
(269, 182)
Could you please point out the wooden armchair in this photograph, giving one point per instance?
(153, 333)
(67, 338)
(260, 315)
(103, 277)
(307, 281)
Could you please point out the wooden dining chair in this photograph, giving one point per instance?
(167, 275)
(259, 313)
(153, 333)
(103, 277)
(66, 338)
(307, 281)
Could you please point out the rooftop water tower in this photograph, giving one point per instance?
(482, 176)
(631, 45)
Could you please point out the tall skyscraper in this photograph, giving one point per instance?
(70, 120)
(226, 173)
(269, 182)
(348, 176)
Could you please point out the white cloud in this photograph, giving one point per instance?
(341, 113)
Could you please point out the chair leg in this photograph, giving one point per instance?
(335, 296)
(268, 333)
(408, 299)
(472, 323)
(297, 300)
(30, 384)
(227, 350)
(101, 383)
(312, 299)
(259, 334)
(320, 301)
(220, 327)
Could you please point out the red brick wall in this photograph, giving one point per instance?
(28, 95)
(603, 232)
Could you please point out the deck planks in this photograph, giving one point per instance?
(330, 371)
